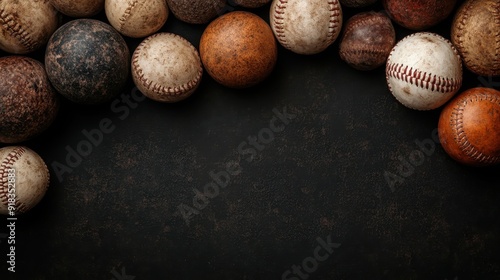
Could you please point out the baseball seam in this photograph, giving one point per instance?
(161, 89)
(456, 122)
(333, 27)
(279, 25)
(128, 12)
(16, 30)
(422, 79)
(7, 164)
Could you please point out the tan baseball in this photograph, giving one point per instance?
(24, 174)
(136, 19)
(306, 27)
(78, 8)
(424, 71)
(26, 25)
(166, 67)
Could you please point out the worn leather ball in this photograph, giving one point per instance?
(476, 34)
(25, 26)
(87, 61)
(28, 103)
(78, 8)
(357, 3)
(251, 3)
(419, 14)
(469, 127)
(367, 40)
(197, 11)
(238, 49)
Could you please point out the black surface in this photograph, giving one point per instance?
(323, 176)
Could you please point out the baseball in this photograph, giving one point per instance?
(78, 8)
(476, 34)
(196, 11)
(251, 3)
(136, 19)
(166, 67)
(28, 101)
(424, 71)
(357, 3)
(419, 14)
(26, 25)
(87, 61)
(469, 127)
(25, 179)
(367, 40)
(238, 49)
(306, 27)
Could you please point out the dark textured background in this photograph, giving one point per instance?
(323, 176)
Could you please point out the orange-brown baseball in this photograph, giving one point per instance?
(238, 49)
(469, 127)
(367, 40)
(476, 34)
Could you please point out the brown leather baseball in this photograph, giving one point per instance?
(196, 11)
(418, 14)
(469, 127)
(367, 40)
(357, 3)
(476, 34)
(238, 49)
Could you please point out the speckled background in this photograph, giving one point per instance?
(115, 216)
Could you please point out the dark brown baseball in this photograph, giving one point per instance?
(238, 49)
(476, 34)
(197, 11)
(87, 61)
(367, 40)
(28, 103)
(357, 3)
(418, 14)
(469, 127)
(251, 3)
(78, 8)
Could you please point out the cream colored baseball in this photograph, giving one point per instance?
(25, 179)
(166, 67)
(424, 71)
(136, 19)
(26, 25)
(306, 27)
(78, 8)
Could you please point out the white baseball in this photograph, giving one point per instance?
(26, 25)
(166, 67)
(78, 8)
(424, 71)
(23, 173)
(306, 27)
(136, 19)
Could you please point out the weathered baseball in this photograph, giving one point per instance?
(419, 14)
(238, 49)
(367, 40)
(136, 19)
(476, 34)
(87, 61)
(424, 71)
(28, 102)
(78, 8)
(357, 3)
(306, 27)
(25, 179)
(166, 67)
(251, 3)
(469, 127)
(197, 11)
(26, 25)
